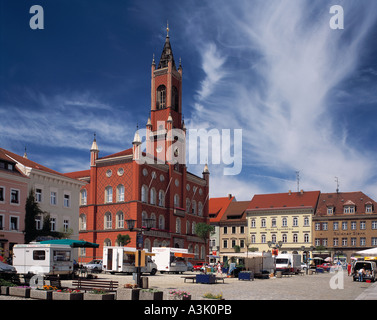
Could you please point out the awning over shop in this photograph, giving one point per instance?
(72, 243)
(368, 252)
(184, 255)
(242, 254)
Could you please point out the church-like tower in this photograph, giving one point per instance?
(166, 105)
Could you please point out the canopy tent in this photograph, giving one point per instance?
(368, 252)
(242, 254)
(72, 243)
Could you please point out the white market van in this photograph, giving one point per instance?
(288, 262)
(122, 259)
(171, 259)
(46, 259)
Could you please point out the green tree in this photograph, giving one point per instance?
(204, 231)
(32, 210)
(123, 240)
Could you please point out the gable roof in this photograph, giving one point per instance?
(303, 199)
(217, 207)
(28, 163)
(236, 211)
(338, 200)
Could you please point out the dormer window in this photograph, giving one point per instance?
(368, 208)
(330, 210)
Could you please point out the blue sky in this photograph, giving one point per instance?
(304, 95)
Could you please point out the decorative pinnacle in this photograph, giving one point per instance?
(167, 29)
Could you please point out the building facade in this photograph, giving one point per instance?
(56, 194)
(282, 221)
(147, 184)
(13, 193)
(344, 223)
(217, 208)
(233, 229)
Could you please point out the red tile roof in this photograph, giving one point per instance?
(341, 199)
(284, 200)
(28, 163)
(126, 152)
(236, 211)
(217, 207)
(78, 174)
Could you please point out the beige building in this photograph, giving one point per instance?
(233, 229)
(282, 221)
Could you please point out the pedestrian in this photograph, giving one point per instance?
(361, 274)
(219, 271)
(349, 268)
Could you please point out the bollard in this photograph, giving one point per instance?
(279, 274)
(144, 283)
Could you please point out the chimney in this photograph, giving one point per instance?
(289, 192)
(229, 196)
(302, 191)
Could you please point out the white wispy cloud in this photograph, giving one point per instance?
(283, 64)
(65, 121)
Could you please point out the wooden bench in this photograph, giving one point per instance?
(84, 284)
(193, 278)
(220, 279)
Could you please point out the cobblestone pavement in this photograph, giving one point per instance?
(305, 287)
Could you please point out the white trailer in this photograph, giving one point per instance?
(262, 264)
(46, 259)
(171, 259)
(288, 263)
(122, 259)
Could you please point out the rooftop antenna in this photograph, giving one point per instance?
(298, 180)
(337, 184)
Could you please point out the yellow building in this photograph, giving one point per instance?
(282, 221)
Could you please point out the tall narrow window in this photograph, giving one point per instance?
(108, 194)
(120, 193)
(175, 99)
(161, 97)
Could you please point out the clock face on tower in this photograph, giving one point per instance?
(159, 149)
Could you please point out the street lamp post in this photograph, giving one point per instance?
(139, 242)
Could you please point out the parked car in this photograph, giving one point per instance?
(304, 266)
(4, 267)
(198, 266)
(190, 267)
(94, 265)
(325, 266)
(370, 270)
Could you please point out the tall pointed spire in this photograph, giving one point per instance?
(167, 53)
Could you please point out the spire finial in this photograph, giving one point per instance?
(95, 137)
(167, 29)
(25, 153)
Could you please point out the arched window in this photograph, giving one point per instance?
(200, 209)
(108, 221)
(284, 237)
(120, 193)
(153, 216)
(178, 225)
(153, 196)
(82, 222)
(144, 194)
(193, 207)
(176, 201)
(83, 197)
(147, 244)
(120, 220)
(202, 252)
(187, 205)
(144, 216)
(187, 227)
(193, 228)
(161, 97)
(196, 252)
(108, 194)
(161, 222)
(161, 198)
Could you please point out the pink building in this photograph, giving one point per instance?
(13, 194)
